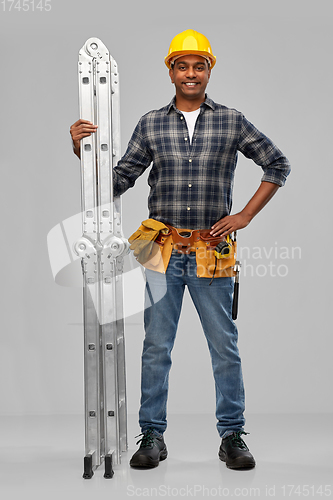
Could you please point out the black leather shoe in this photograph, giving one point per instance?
(234, 452)
(152, 450)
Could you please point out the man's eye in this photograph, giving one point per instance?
(200, 68)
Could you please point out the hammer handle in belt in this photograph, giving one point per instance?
(235, 301)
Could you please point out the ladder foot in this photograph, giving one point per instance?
(109, 472)
(88, 472)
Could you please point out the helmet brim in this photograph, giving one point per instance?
(168, 59)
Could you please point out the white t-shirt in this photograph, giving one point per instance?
(191, 118)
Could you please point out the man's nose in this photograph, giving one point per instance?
(190, 73)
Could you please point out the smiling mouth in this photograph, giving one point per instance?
(190, 84)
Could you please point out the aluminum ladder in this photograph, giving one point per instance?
(102, 249)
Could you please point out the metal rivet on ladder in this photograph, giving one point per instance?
(91, 347)
(85, 80)
(87, 147)
(109, 347)
(92, 414)
(110, 413)
(104, 147)
(102, 79)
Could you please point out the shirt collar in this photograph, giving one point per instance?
(207, 103)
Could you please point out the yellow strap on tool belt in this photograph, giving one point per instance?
(186, 241)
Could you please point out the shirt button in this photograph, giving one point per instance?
(190, 185)
(181, 117)
(190, 160)
(185, 138)
(188, 208)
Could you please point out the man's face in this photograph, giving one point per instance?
(190, 74)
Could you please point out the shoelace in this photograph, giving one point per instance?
(238, 441)
(147, 440)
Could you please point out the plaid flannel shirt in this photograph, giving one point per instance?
(191, 183)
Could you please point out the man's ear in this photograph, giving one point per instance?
(171, 75)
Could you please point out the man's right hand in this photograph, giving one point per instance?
(80, 129)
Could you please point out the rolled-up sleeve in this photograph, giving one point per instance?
(135, 161)
(259, 148)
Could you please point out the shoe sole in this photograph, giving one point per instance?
(147, 463)
(240, 464)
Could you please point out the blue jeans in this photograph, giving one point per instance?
(163, 301)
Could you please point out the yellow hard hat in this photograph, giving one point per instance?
(190, 42)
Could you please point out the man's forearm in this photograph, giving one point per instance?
(77, 151)
(240, 220)
(260, 198)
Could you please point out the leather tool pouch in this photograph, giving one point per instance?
(160, 254)
(186, 241)
(206, 259)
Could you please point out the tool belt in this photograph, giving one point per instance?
(186, 241)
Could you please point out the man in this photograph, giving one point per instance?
(192, 144)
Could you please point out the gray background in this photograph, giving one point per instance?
(274, 65)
